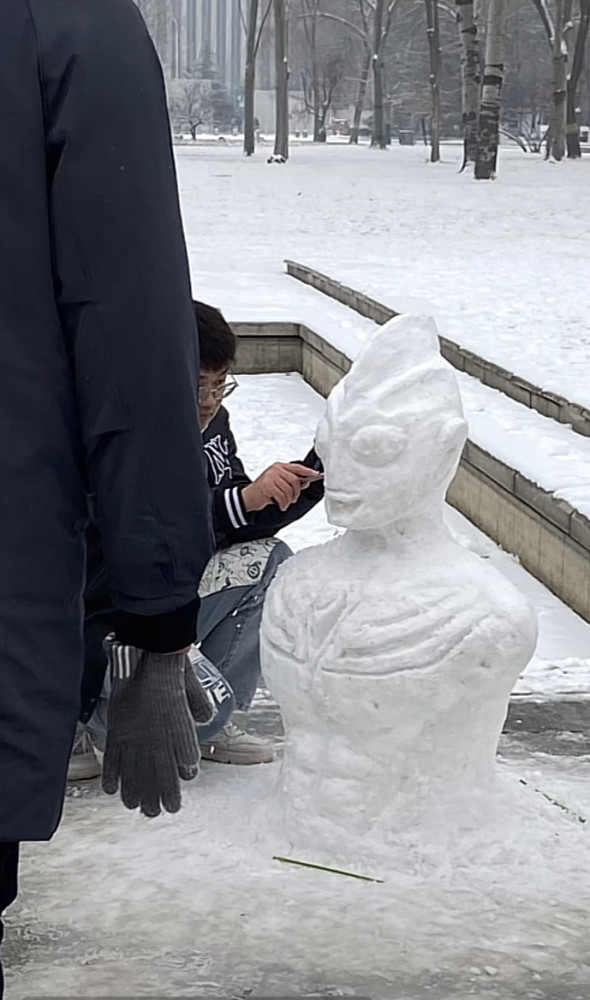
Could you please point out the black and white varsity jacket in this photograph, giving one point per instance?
(227, 478)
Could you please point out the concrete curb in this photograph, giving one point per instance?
(537, 714)
(549, 404)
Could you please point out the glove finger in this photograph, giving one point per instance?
(168, 783)
(186, 750)
(188, 772)
(152, 787)
(187, 753)
(130, 789)
(111, 768)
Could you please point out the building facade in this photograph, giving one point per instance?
(202, 38)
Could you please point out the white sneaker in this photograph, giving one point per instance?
(234, 746)
(84, 764)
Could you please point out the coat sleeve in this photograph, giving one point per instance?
(234, 524)
(123, 292)
(229, 514)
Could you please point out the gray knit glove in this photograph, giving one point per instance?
(151, 739)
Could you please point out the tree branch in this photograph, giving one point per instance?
(262, 26)
(242, 16)
(347, 24)
(543, 12)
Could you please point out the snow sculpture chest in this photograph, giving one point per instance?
(391, 650)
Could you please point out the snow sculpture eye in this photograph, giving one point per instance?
(377, 445)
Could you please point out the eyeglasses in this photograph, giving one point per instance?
(217, 392)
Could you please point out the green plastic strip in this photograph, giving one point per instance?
(324, 868)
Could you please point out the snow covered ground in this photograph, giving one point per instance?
(195, 905)
(503, 267)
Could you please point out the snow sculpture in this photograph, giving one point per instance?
(391, 650)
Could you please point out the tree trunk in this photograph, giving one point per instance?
(319, 126)
(319, 131)
(491, 96)
(433, 30)
(360, 101)
(250, 79)
(557, 124)
(556, 143)
(319, 115)
(379, 138)
(282, 84)
(471, 76)
(572, 129)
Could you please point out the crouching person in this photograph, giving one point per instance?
(247, 514)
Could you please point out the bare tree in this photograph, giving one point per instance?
(491, 96)
(375, 19)
(433, 32)
(556, 136)
(281, 151)
(545, 15)
(254, 25)
(572, 134)
(563, 131)
(382, 17)
(319, 91)
(471, 77)
(324, 67)
(191, 105)
(359, 105)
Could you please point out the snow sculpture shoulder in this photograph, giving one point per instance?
(391, 650)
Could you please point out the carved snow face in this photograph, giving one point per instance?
(393, 431)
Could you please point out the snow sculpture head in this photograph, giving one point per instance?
(393, 432)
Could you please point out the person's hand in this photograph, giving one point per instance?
(281, 483)
(151, 738)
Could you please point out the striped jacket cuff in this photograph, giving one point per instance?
(234, 508)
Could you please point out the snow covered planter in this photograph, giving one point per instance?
(392, 650)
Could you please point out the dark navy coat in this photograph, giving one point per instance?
(98, 374)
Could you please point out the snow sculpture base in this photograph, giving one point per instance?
(391, 650)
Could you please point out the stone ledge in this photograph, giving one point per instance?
(490, 466)
(559, 512)
(268, 347)
(332, 354)
(558, 714)
(549, 404)
(546, 551)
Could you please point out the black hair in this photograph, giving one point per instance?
(217, 341)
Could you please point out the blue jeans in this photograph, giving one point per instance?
(229, 634)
